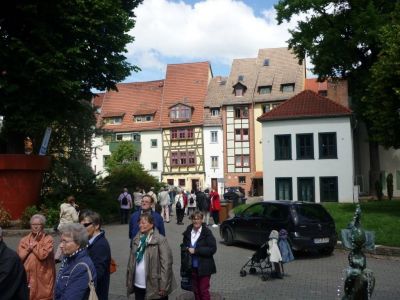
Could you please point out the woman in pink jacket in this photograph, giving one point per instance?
(215, 206)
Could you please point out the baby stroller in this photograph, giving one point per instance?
(259, 262)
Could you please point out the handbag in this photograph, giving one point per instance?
(113, 266)
(186, 269)
(92, 293)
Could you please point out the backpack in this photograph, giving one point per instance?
(178, 205)
(124, 200)
(191, 200)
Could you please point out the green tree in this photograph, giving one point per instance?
(125, 154)
(344, 39)
(53, 54)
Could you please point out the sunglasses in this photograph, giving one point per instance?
(87, 224)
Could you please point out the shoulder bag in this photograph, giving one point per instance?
(92, 293)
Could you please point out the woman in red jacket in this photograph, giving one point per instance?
(215, 206)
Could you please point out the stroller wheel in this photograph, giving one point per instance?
(252, 271)
(264, 277)
(243, 273)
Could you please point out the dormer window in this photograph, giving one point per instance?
(239, 89)
(144, 118)
(265, 89)
(113, 120)
(287, 87)
(266, 62)
(215, 112)
(180, 113)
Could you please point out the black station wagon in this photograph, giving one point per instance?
(309, 225)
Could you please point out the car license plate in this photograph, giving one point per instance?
(321, 241)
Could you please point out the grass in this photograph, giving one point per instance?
(382, 217)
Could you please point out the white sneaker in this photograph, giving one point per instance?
(215, 225)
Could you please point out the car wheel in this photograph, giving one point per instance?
(228, 237)
(243, 273)
(252, 271)
(327, 251)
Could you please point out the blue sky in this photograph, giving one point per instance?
(178, 31)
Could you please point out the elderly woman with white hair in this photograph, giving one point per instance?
(36, 253)
(76, 267)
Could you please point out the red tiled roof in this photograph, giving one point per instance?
(142, 112)
(97, 100)
(111, 114)
(306, 104)
(130, 98)
(185, 84)
(315, 86)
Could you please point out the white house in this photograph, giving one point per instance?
(308, 150)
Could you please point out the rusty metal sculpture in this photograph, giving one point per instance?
(360, 281)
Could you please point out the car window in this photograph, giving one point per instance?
(312, 213)
(276, 212)
(254, 211)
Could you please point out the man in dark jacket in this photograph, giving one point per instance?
(147, 203)
(202, 246)
(99, 251)
(13, 284)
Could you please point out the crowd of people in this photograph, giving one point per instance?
(84, 253)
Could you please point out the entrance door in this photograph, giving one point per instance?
(214, 184)
(195, 184)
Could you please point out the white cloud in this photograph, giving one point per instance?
(213, 30)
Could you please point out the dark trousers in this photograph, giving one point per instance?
(215, 216)
(140, 294)
(124, 213)
(200, 286)
(179, 215)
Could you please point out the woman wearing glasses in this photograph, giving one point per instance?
(99, 251)
(150, 273)
(73, 276)
(201, 245)
(36, 253)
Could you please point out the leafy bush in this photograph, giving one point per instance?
(5, 217)
(27, 215)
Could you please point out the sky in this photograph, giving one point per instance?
(182, 31)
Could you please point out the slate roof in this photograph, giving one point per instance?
(214, 99)
(282, 68)
(185, 84)
(306, 104)
(130, 99)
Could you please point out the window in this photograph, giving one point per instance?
(266, 108)
(183, 158)
(239, 91)
(144, 118)
(153, 143)
(242, 179)
(240, 78)
(327, 145)
(241, 112)
(287, 87)
(305, 146)
(214, 136)
(305, 189)
(180, 113)
(214, 161)
(397, 180)
(276, 212)
(113, 121)
(266, 62)
(256, 210)
(264, 89)
(241, 134)
(182, 133)
(181, 182)
(283, 147)
(283, 188)
(215, 112)
(154, 166)
(170, 181)
(329, 189)
(323, 93)
(242, 160)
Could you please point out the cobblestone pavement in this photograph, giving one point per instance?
(308, 277)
